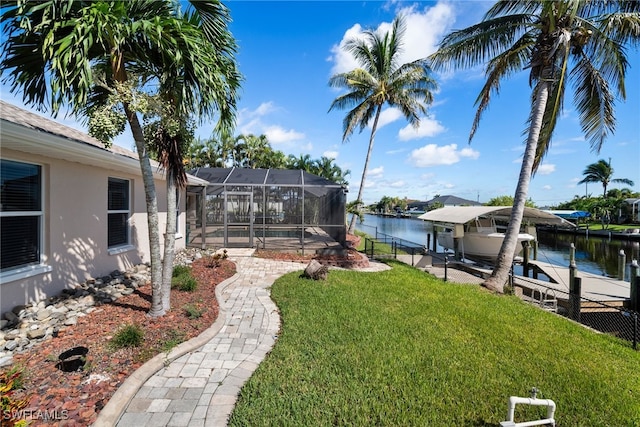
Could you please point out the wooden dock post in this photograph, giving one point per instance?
(575, 296)
(634, 281)
(572, 265)
(435, 240)
(525, 259)
(535, 249)
(622, 262)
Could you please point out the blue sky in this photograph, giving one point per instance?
(288, 50)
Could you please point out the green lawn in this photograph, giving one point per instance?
(594, 226)
(400, 348)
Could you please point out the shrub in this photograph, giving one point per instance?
(187, 283)
(128, 336)
(182, 279)
(192, 311)
(213, 261)
(181, 270)
(10, 381)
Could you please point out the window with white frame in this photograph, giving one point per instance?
(118, 212)
(21, 214)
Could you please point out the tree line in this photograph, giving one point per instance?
(255, 152)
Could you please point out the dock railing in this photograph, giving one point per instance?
(379, 245)
(604, 317)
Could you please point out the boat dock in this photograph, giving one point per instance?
(599, 293)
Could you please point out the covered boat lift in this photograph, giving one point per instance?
(456, 217)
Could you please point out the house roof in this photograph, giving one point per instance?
(30, 120)
(25, 131)
(449, 200)
(450, 215)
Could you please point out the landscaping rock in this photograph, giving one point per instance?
(316, 271)
(26, 325)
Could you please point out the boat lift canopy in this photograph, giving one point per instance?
(452, 215)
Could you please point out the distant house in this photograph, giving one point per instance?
(70, 209)
(452, 201)
(444, 201)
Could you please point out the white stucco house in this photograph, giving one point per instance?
(70, 209)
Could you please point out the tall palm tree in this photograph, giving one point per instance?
(602, 172)
(566, 41)
(54, 48)
(381, 80)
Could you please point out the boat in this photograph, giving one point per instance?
(475, 229)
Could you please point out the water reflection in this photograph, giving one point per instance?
(593, 254)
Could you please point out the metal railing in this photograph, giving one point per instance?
(602, 316)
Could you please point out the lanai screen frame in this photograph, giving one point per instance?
(283, 210)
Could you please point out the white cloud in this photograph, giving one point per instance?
(387, 116)
(428, 176)
(547, 187)
(429, 126)
(392, 152)
(331, 154)
(424, 29)
(375, 172)
(434, 155)
(265, 108)
(278, 135)
(252, 122)
(343, 60)
(397, 184)
(546, 169)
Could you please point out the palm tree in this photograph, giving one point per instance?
(51, 47)
(577, 41)
(302, 162)
(250, 148)
(601, 171)
(326, 168)
(379, 81)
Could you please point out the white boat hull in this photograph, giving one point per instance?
(482, 245)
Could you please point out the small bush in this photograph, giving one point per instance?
(182, 279)
(181, 270)
(213, 261)
(10, 381)
(187, 284)
(128, 336)
(192, 311)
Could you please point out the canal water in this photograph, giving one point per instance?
(593, 254)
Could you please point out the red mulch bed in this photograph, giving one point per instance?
(77, 397)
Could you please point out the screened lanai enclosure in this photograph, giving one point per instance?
(274, 209)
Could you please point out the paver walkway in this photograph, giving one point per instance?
(200, 387)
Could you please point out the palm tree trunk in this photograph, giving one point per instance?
(352, 224)
(156, 309)
(169, 241)
(500, 273)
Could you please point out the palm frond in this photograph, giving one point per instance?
(594, 102)
(480, 43)
(507, 63)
